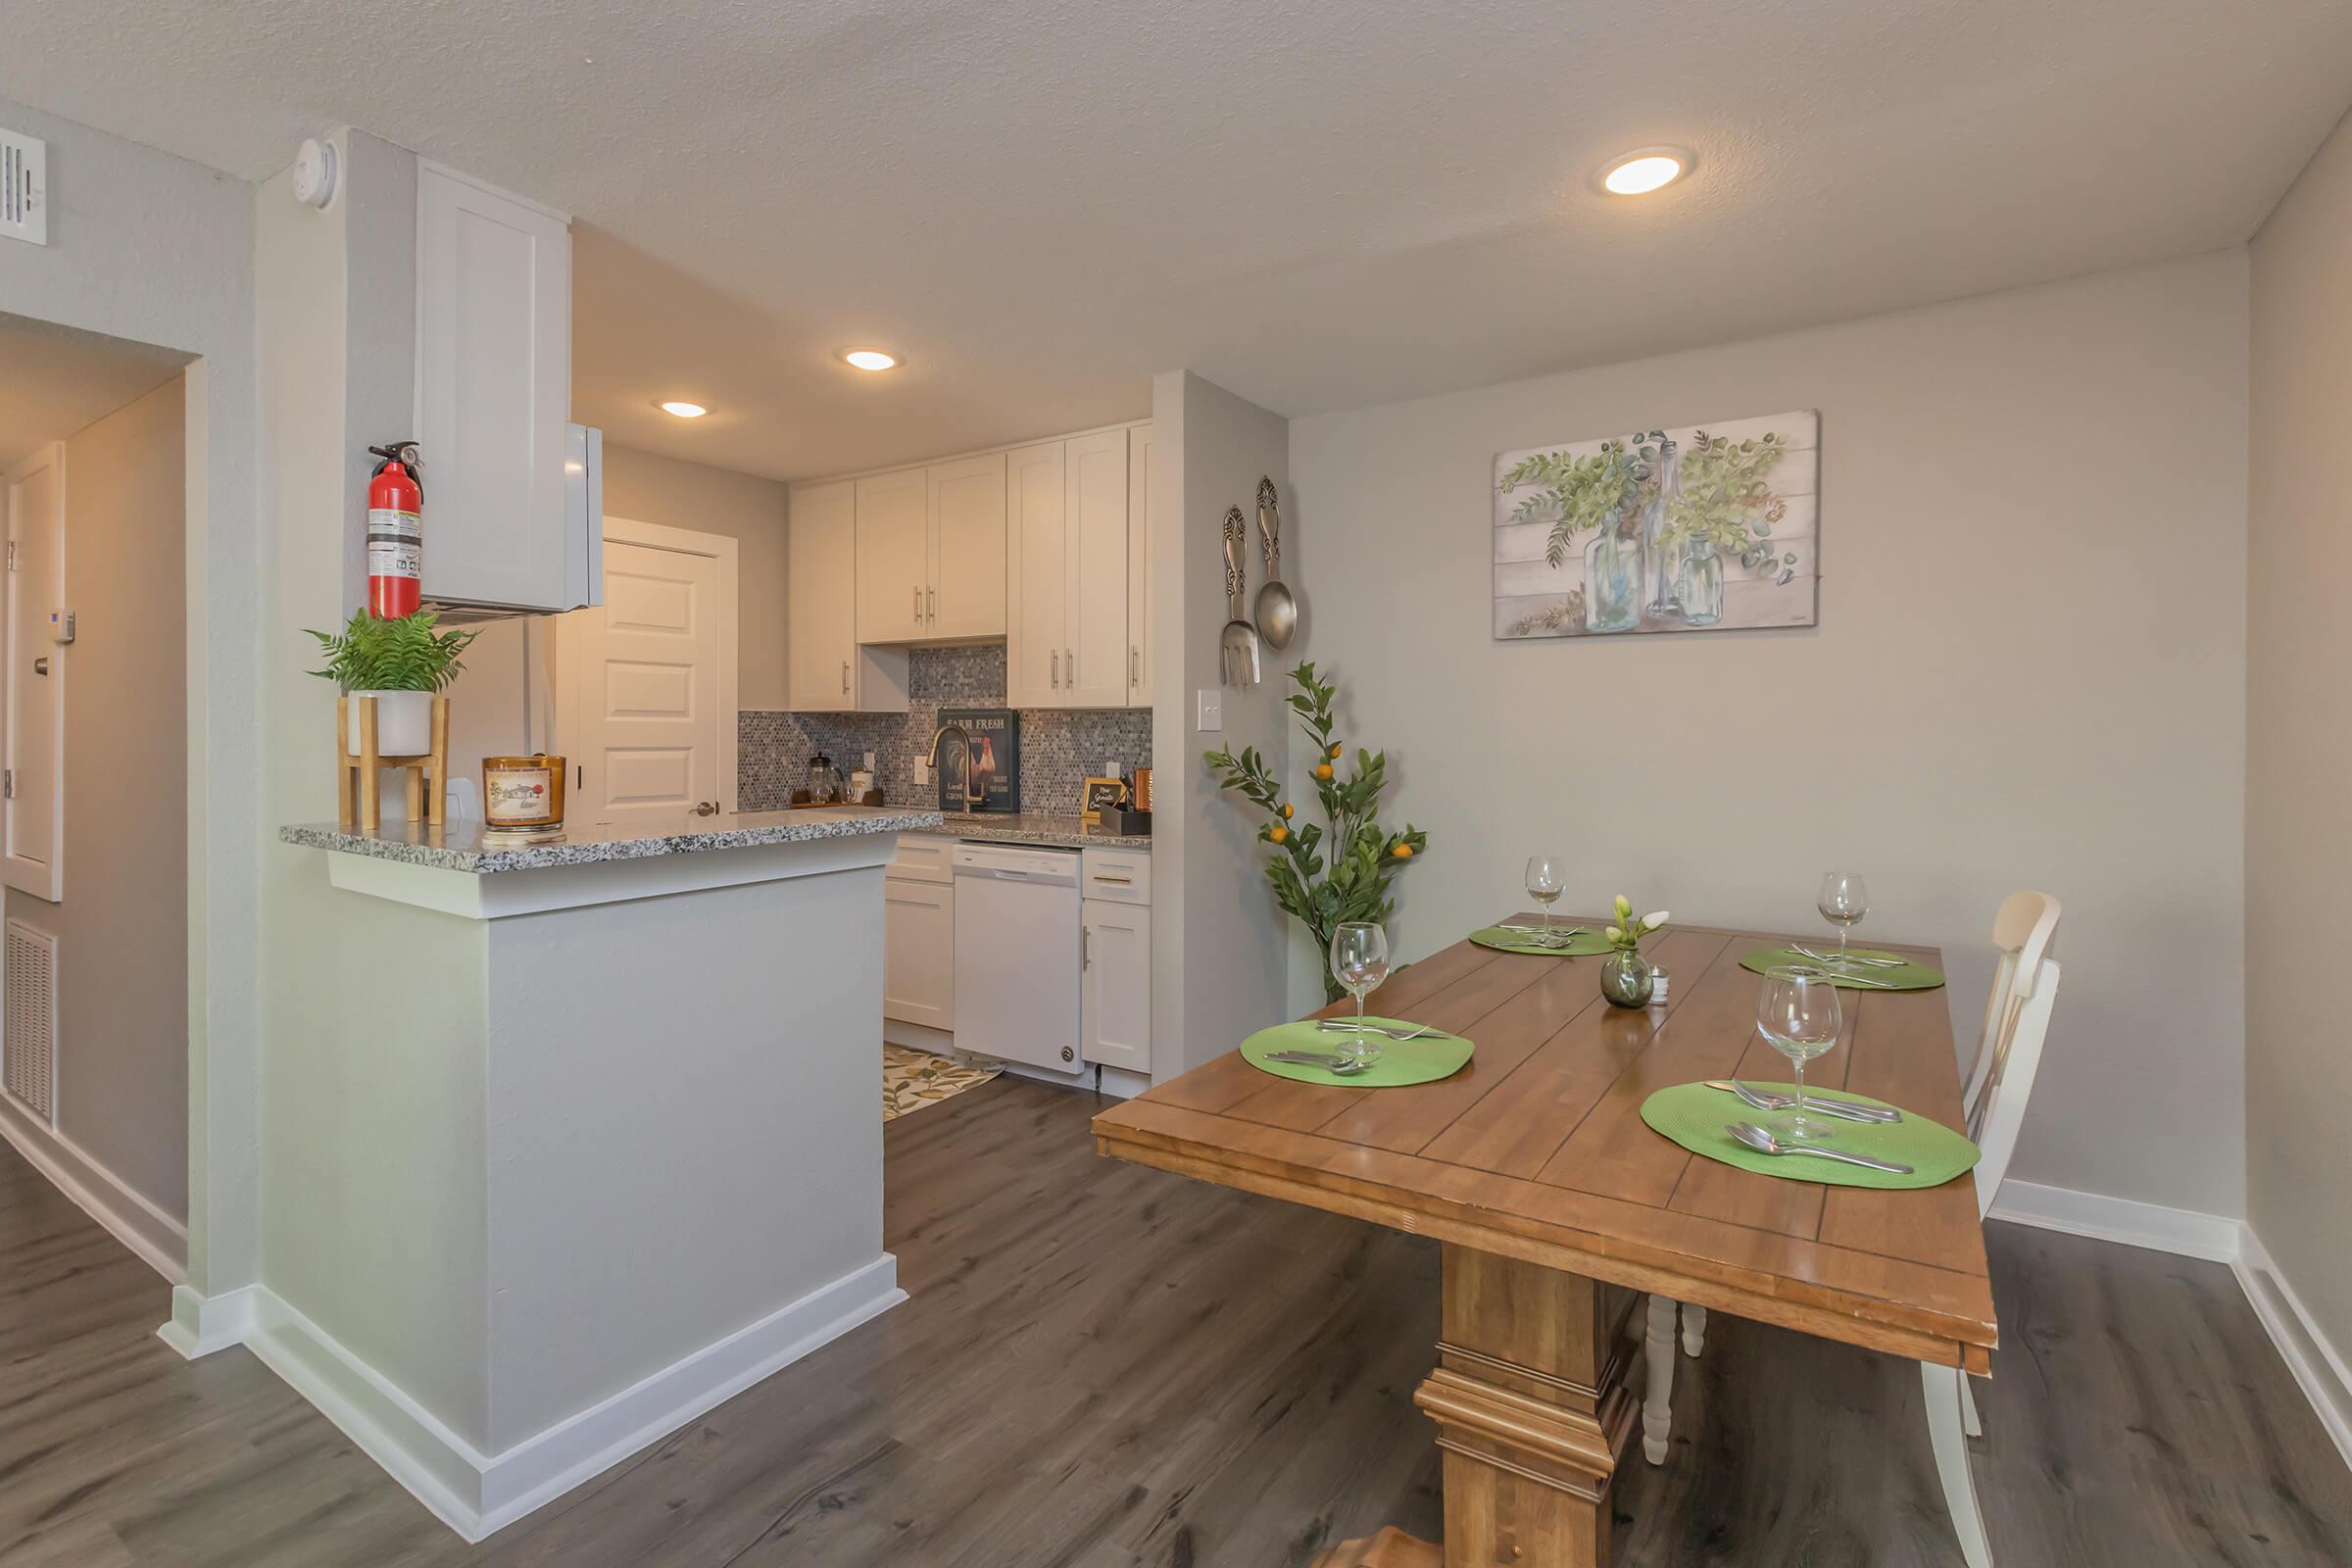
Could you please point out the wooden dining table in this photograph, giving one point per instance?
(1557, 1208)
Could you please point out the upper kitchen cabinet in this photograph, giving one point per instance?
(931, 553)
(1066, 643)
(512, 503)
(1139, 566)
(829, 669)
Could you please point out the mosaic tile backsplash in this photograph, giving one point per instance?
(1059, 748)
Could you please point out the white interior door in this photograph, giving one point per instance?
(32, 794)
(648, 679)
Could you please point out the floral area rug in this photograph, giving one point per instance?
(914, 1079)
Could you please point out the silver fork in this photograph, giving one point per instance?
(1348, 1026)
(1758, 1099)
(1851, 958)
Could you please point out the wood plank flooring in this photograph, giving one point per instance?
(1104, 1366)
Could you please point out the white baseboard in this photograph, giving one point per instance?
(160, 1241)
(2318, 1365)
(477, 1494)
(201, 1325)
(2117, 1219)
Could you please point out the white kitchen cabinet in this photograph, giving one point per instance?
(1139, 566)
(1095, 645)
(918, 951)
(827, 670)
(504, 525)
(1066, 637)
(894, 556)
(1114, 1008)
(931, 553)
(966, 597)
(1036, 583)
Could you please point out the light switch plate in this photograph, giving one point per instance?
(1210, 712)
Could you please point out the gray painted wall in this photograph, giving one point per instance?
(2029, 671)
(2299, 753)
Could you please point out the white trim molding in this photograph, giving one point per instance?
(475, 1494)
(2117, 1219)
(202, 1324)
(2318, 1366)
(160, 1241)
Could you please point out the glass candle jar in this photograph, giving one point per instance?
(522, 791)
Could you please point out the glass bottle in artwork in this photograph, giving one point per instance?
(1698, 583)
(1613, 575)
(1665, 555)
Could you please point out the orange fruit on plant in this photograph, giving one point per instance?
(1278, 833)
(1286, 810)
(1402, 851)
(1322, 771)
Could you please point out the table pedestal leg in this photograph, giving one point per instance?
(1533, 1414)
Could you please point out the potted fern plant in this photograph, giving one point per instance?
(400, 662)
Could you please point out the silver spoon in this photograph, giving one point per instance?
(1277, 611)
(1763, 1142)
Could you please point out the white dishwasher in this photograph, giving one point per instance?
(1018, 953)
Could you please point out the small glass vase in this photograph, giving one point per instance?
(1699, 586)
(1613, 572)
(1625, 978)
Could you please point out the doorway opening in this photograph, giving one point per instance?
(93, 807)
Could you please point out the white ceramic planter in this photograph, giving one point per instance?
(404, 723)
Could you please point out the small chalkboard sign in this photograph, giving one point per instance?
(1099, 793)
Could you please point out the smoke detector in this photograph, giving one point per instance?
(314, 172)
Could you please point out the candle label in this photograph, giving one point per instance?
(518, 795)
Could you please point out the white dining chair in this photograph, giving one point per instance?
(2001, 1084)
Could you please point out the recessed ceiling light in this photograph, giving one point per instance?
(1640, 172)
(685, 411)
(868, 358)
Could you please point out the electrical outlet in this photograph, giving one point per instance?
(1209, 711)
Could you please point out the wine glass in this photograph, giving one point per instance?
(1844, 902)
(1360, 963)
(1545, 878)
(1797, 1013)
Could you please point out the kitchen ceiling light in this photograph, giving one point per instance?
(868, 358)
(1650, 168)
(685, 411)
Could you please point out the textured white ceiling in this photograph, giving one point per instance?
(56, 381)
(1318, 204)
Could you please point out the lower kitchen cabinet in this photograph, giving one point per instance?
(1115, 1010)
(918, 951)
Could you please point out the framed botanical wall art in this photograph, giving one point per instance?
(1707, 528)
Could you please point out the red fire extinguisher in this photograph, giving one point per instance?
(395, 534)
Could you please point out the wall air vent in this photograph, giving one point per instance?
(23, 188)
(28, 1035)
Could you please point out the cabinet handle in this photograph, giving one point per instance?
(1123, 881)
(918, 604)
(1086, 947)
(1135, 666)
(1070, 662)
(845, 677)
(1056, 656)
(934, 592)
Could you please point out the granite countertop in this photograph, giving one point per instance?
(1031, 828)
(461, 846)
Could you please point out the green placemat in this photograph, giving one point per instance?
(1695, 1116)
(1584, 945)
(1401, 1062)
(1908, 976)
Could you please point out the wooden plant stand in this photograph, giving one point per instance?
(358, 776)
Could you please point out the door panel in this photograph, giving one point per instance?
(32, 811)
(821, 597)
(1037, 586)
(919, 953)
(1139, 566)
(968, 533)
(1094, 633)
(894, 556)
(1116, 1006)
(650, 725)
